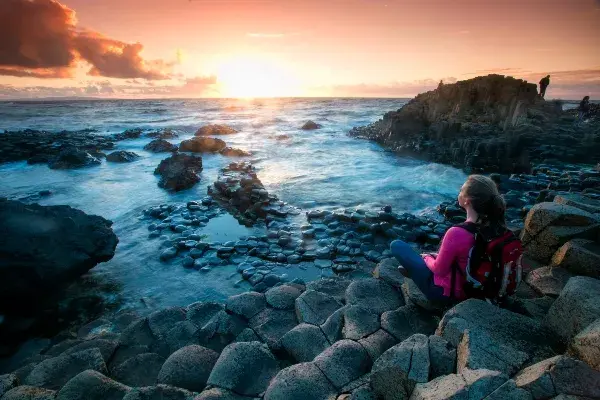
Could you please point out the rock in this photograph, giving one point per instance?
(270, 325)
(73, 158)
(310, 125)
(140, 370)
(138, 333)
(180, 335)
(377, 343)
(247, 304)
(215, 129)
(55, 372)
(106, 347)
(333, 326)
(304, 342)
(168, 254)
(578, 201)
(374, 295)
(202, 312)
(188, 368)
(412, 294)
(221, 394)
(315, 307)
(362, 393)
(300, 382)
(122, 156)
(7, 382)
(483, 382)
(580, 257)
(92, 385)
(163, 134)
(359, 322)
(62, 244)
(160, 322)
(387, 271)
(343, 362)
(548, 281)
(231, 152)
(509, 390)
(202, 145)
(160, 146)
(159, 392)
(442, 357)
(179, 172)
(221, 330)
(586, 345)
(335, 287)
(245, 368)
(535, 308)
(283, 297)
(29, 393)
(559, 375)
(400, 368)
(406, 321)
(577, 307)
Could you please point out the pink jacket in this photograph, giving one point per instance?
(455, 247)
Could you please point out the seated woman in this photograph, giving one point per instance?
(432, 273)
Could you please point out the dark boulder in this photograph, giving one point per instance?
(73, 158)
(202, 145)
(215, 130)
(122, 156)
(164, 134)
(160, 146)
(231, 152)
(179, 172)
(310, 125)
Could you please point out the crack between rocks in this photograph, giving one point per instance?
(325, 375)
(499, 358)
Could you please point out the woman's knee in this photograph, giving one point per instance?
(398, 247)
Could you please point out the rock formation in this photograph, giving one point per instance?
(179, 172)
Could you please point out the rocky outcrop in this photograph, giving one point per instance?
(73, 158)
(202, 145)
(160, 146)
(215, 129)
(42, 248)
(122, 156)
(231, 152)
(179, 172)
(310, 125)
(163, 134)
(489, 123)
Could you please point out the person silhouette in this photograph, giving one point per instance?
(544, 83)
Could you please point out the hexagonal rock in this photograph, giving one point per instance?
(377, 343)
(579, 201)
(201, 313)
(335, 287)
(412, 294)
(579, 256)
(577, 307)
(106, 347)
(138, 333)
(220, 394)
(160, 322)
(315, 307)
(7, 382)
(483, 382)
(140, 370)
(188, 368)
(283, 297)
(92, 385)
(29, 393)
(586, 345)
(333, 326)
(387, 271)
(477, 350)
(182, 334)
(509, 390)
(559, 375)
(55, 372)
(304, 342)
(406, 321)
(246, 304)
(359, 322)
(548, 281)
(343, 362)
(271, 324)
(442, 357)
(245, 368)
(159, 392)
(247, 335)
(399, 369)
(300, 382)
(374, 294)
(445, 387)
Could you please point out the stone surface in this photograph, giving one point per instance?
(509, 390)
(577, 306)
(245, 368)
(202, 145)
(92, 385)
(138, 333)
(377, 343)
(343, 362)
(162, 321)
(580, 257)
(578, 201)
(315, 307)
(70, 158)
(335, 287)
(29, 393)
(215, 129)
(122, 156)
(188, 368)
(412, 294)
(359, 322)
(586, 345)
(374, 294)
(62, 243)
(483, 382)
(221, 394)
(159, 392)
(334, 325)
(140, 370)
(300, 382)
(160, 146)
(179, 171)
(246, 304)
(442, 357)
(559, 375)
(202, 313)
(451, 387)
(55, 372)
(7, 382)
(283, 297)
(548, 281)
(310, 125)
(270, 325)
(406, 321)
(304, 342)
(387, 271)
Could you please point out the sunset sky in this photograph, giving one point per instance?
(254, 48)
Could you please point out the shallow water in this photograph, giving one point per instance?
(323, 169)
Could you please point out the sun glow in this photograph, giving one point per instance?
(254, 76)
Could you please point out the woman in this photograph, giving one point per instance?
(432, 273)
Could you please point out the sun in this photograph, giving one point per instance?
(255, 76)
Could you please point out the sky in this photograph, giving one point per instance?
(258, 48)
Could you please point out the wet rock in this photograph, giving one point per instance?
(577, 307)
(333, 326)
(282, 297)
(160, 146)
(163, 134)
(188, 368)
(304, 342)
(55, 372)
(159, 392)
(442, 357)
(29, 393)
(124, 353)
(406, 321)
(62, 243)
(215, 129)
(270, 325)
(7, 382)
(122, 156)
(180, 335)
(168, 254)
(73, 158)
(245, 368)
(335, 287)
(160, 322)
(140, 370)
(310, 125)
(137, 334)
(343, 362)
(247, 304)
(231, 152)
(359, 322)
(586, 345)
(377, 343)
(300, 382)
(92, 385)
(548, 281)
(202, 145)
(374, 295)
(106, 347)
(559, 375)
(179, 172)
(315, 307)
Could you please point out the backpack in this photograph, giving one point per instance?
(494, 268)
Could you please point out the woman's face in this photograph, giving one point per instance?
(463, 201)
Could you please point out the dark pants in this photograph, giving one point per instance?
(417, 270)
(543, 91)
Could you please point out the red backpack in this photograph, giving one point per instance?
(494, 268)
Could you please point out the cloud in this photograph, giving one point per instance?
(266, 35)
(40, 39)
(396, 89)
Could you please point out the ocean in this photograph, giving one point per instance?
(320, 169)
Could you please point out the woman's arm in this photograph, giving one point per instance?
(452, 245)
